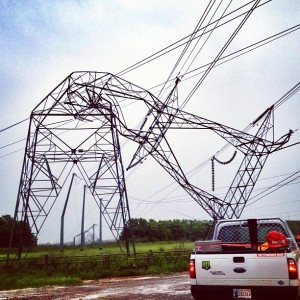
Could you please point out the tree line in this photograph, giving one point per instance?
(143, 230)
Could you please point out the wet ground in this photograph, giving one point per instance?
(175, 287)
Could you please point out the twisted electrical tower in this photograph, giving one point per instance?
(76, 129)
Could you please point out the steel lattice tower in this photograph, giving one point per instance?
(75, 128)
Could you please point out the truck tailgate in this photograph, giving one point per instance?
(264, 269)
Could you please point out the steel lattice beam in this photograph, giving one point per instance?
(75, 128)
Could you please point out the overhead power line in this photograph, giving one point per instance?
(183, 41)
(192, 37)
(275, 187)
(16, 142)
(207, 71)
(240, 52)
(150, 205)
(13, 125)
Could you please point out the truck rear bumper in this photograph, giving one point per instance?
(257, 292)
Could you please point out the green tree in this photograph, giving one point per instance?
(294, 226)
(26, 236)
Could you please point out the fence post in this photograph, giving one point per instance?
(150, 255)
(46, 262)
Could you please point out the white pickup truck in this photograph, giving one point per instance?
(254, 259)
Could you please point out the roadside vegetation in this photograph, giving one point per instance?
(74, 266)
(162, 247)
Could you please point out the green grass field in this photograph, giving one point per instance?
(108, 248)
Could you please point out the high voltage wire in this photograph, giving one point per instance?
(13, 125)
(184, 197)
(192, 37)
(159, 202)
(13, 152)
(13, 143)
(206, 40)
(275, 187)
(240, 52)
(207, 71)
(182, 41)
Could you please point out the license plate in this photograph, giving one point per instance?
(242, 294)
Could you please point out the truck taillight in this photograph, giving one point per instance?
(192, 269)
(292, 267)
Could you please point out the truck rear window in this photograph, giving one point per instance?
(240, 233)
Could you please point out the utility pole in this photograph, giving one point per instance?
(61, 247)
(82, 220)
(100, 225)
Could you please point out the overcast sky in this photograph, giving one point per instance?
(42, 42)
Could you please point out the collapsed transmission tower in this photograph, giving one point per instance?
(76, 128)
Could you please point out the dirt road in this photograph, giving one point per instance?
(175, 287)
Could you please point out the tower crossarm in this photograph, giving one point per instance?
(243, 141)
